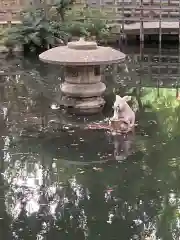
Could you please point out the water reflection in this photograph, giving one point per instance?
(123, 146)
(60, 180)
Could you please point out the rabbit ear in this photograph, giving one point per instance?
(127, 98)
(118, 98)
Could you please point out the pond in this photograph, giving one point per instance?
(59, 180)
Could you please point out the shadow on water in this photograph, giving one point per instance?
(60, 180)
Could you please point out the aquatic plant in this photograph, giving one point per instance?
(166, 106)
(35, 33)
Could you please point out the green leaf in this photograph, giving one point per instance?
(34, 37)
(50, 40)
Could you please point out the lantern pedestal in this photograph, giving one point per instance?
(83, 89)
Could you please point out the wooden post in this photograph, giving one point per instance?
(141, 22)
(177, 90)
(121, 34)
(9, 18)
(115, 8)
(45, 7)
(177, 84)
(158, 81)
(141, 61)
(160, 23)
(123, 17)
(179, 24)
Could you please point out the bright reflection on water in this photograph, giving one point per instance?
(61, 181)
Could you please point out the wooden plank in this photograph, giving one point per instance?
(136, 7)
(171, 27)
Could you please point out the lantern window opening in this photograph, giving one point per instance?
(97, 71)
(72, 71)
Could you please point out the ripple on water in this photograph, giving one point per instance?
(88, 146)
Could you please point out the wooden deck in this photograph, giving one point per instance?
(152, 27)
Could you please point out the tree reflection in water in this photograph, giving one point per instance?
(65, 183)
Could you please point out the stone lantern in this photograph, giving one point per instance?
(83, 89)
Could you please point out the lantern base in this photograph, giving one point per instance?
(83, 90)
(84, 106)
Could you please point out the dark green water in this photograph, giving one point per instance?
(61, 181)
